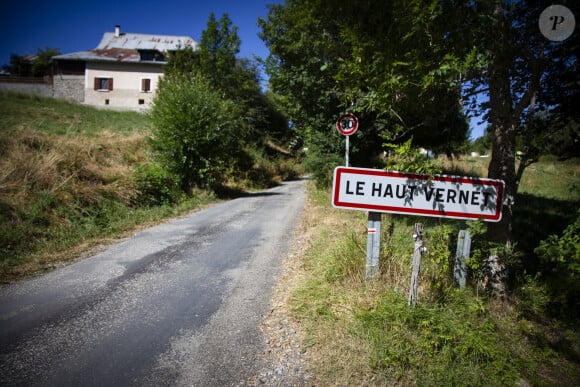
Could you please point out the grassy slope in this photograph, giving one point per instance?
(66, 181)
(365, 334)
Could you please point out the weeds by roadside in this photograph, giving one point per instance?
(359, 333)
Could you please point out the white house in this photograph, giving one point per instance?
(122, 72)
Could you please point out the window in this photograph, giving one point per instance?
(145, 85)
(103, 84)
(151, 56)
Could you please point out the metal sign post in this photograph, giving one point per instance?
(347, 125)
(373, 245)
(346, 150)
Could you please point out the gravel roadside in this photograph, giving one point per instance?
(284, 356)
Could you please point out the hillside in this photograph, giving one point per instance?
(67, 181)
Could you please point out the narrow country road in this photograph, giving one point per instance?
(178, 304)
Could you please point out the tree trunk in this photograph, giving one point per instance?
(502, 166)
(503, 154)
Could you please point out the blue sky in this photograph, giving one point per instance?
(72, 26)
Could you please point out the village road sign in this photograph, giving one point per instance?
(347, 124)
(442, 196)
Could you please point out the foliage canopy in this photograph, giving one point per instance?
(196, 133)
(210, 107)
(416, 67)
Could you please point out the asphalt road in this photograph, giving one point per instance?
(177, 304)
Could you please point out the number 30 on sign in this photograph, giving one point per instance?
(347, 124)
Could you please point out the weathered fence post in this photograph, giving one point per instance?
(461, 257)
(495, 274)
(418, 251)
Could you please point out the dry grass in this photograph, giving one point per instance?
(68, 181)
(34, 162)
(335, 356)
(53, 190)
(357, 333)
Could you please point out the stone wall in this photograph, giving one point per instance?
(69, 87)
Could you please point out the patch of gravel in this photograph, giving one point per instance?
(284, 356)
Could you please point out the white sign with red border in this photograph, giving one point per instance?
(347, 124)
(442, 196)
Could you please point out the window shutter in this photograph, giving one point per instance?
(110, 84)
(146, 84)
(96, 83)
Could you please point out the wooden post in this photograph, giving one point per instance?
(418, 251)
(461, 257)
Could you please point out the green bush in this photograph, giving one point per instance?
(563, 251)
(407, 158)
(155, 185)
(322, 156)
(197, 134)
(560, 256)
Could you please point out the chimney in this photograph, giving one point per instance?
(117, 31)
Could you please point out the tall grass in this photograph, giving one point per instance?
(359, 333)
(66, 181)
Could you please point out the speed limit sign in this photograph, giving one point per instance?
(347, 124)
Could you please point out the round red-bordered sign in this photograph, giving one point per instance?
(347, 124)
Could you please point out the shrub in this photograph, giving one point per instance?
(197, 134)
(560, 256)
(155, 185)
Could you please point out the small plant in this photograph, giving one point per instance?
(533, 297)
(439, 255)
(406, 158)
(436, 345)
(155, 185)
(560, 256)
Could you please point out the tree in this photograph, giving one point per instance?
(218, 49)
(237, 79)
(416, 64)
(184, 60)
(38, 65)
(210, 108)
(20, 66)
(42, 62)
(330, 57)
(517, 67)
(196, 134)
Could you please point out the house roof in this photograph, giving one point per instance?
(125, 47)
(161, 43)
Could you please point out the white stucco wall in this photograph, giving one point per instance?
(126, 93)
